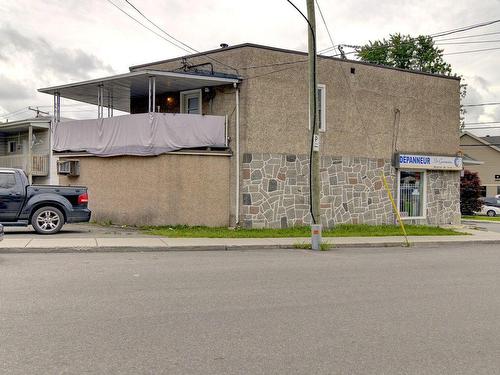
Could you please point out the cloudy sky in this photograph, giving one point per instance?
(44, 43)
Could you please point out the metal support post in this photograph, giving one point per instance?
(102, 101)
(55, 109)
(58, 107)
(237, 201)
(226, 135)
(109, 104)
(30, 154)
(112, 102)
(153, 101)
(98, 101)
(149, 95)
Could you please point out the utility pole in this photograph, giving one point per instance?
(38, 111)
(314, 174)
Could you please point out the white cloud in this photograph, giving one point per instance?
(76, 39)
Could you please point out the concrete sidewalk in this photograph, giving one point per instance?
(44, 244)
(475, 221)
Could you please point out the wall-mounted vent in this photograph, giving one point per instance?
(68, 167)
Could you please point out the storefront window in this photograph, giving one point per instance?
(482, 191)
(411, 194)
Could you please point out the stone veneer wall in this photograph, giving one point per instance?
(443, 197)
(275, 192)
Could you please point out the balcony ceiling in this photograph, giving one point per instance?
(21, 126)
(119, 89)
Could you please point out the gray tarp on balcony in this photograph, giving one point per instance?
(140, 134)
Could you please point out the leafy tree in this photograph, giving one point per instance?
(470, 193)
(406, 52)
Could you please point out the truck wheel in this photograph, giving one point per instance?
(47, 220)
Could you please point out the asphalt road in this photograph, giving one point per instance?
(356, 311)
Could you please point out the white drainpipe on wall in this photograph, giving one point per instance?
(237, 201)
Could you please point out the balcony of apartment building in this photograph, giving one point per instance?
(25, 144)
(146, 112)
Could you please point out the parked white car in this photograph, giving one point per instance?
(489, 211)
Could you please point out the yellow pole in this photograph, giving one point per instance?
(395, 208)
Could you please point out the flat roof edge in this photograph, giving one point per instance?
(34, 120)
(152, 72)
(284, 50)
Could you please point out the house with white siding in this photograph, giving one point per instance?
(26, 144)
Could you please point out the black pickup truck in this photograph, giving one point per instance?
(46, 207)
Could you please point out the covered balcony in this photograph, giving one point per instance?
(167, 111)
(26, 145)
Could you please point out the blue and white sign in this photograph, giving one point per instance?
(449, 163)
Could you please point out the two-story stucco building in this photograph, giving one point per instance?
(250, 166)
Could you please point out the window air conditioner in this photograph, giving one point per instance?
(68, 167)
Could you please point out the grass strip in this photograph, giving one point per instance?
(483, 218)
(341, 230)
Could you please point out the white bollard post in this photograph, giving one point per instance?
(316, 237)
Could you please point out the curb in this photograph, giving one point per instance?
(134, 249)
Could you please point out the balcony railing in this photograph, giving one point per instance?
(39, 163)
(142, 134)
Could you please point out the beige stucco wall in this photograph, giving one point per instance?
(360, 108)
(490, 159)
(163, 190)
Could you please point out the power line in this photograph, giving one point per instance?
(479, 123)
(480, 104)
(471, 51)
(474, 42)
(465, 28)
(468, 36)
(345, 53)
(380, 47)
(154, 32)
(326, 49)
(333, 47)
(326, 26)
(274, 64)
(488, 145)
(65, 105)
(438, 35)
(189, 50)
(444, 54)
(16, 112)
(158, 27)
(481, 127)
